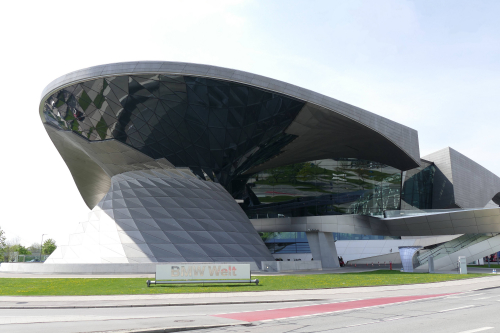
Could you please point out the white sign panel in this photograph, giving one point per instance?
(203, 271)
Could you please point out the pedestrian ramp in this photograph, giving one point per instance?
(472, 246)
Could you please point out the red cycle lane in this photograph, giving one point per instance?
(321, 308)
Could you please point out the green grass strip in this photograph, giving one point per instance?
(484, 266)
(131, 286)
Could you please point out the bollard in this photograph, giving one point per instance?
(390, 265)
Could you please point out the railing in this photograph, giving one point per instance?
(452, 246)
(402, 213)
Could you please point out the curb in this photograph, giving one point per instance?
(178, 329)
(156, 305)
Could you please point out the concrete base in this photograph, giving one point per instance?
(293, 256)
(141, 268)
(283, 266)
(394, 257)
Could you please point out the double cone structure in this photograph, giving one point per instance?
(164, 216)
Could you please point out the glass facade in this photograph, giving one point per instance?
(286, 242)
(296, 242)
(218, 129)
(418, 186)
(324, 187)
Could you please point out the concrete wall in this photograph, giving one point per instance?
(395, 258)
(283, 266)
(144, 268)
(293, 256)
(372, 250)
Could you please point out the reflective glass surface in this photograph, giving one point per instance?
(324, 187)
(296, 242)
(417, 187)
(286, 242)
(218, 129)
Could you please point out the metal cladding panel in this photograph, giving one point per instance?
(141, 229)
(461, 182)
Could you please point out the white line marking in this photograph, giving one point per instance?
(370, 322)
(476, 299)
(478, 330)
(460, 308)
(462, 296)
(395, 318)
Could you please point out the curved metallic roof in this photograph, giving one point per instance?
(323, 128)
(404, 137)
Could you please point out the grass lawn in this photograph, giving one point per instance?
(117, 286)
(484, 266)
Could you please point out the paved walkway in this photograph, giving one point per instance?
(152, 276)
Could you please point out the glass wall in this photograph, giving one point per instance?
(417, 187)
(324, 187)
(216, 128)
(296, 242)
(286, 242)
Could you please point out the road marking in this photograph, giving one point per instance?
(355, 325)
(10, 320)
(321, 309)
(476, 299)
(462, 296)
(394, 318)
(460, 308)
(478, 330)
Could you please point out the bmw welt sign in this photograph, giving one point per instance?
(202, 271)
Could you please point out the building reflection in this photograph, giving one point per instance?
(324, 187)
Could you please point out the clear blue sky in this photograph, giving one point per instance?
(431, 65)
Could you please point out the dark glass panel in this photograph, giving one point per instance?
(418, 187)
(219, 127)
(324, 187)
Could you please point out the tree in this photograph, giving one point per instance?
(2, 243)
(49, 246)
(267, 235)
(2, 239)
(20, 249)
(34, 248)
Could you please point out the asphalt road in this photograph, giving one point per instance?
(470, 312)
(400, 309)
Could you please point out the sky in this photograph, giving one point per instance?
(431, 65)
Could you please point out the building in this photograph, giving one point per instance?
(183, 162)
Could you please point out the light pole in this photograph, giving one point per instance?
(41, 246)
